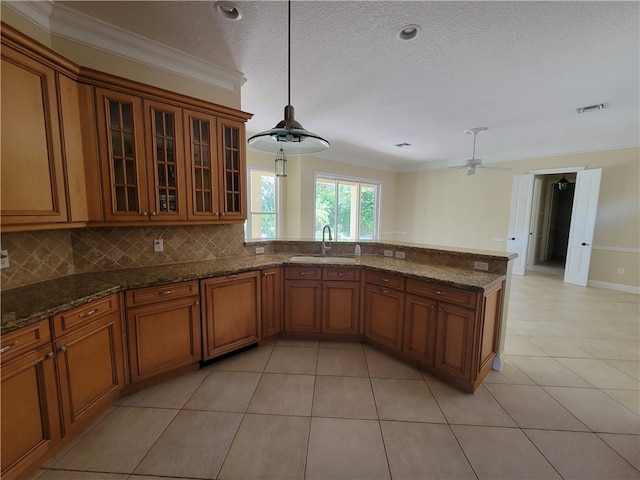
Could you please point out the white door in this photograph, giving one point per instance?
(583, 221)
(520, 220)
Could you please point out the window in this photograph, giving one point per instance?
(348, 206)
(263, 221)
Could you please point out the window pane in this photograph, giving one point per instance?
(325, 205)
(367, 211)
(346, 211)
(267, 193)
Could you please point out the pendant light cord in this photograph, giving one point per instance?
(289, 54)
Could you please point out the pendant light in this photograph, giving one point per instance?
(288, 136)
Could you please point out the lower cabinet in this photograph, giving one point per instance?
(420, 317)
(322, 300)
(163, 327)
(454, 341)
(231, 313)
(384, 310)
(271, 297)
(29, 400)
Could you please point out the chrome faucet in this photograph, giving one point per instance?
(326, 247)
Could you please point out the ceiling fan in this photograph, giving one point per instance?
(474, 162)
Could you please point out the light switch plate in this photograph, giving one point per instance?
(158, 245)
(481, 266)
(388, 253)
(400, 255)
(4, 258)
(259, 250)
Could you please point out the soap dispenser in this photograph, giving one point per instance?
(357, 251)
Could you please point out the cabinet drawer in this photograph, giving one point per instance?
(341, 274)
(384, 279)
(310, 273)
(458, 296)
(80, 316)
(25, 339)
(145, 296)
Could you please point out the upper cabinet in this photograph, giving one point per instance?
(81, 147)
(33, 181)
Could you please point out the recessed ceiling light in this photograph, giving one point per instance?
(228, 10)
(592, 108)
(409, 32)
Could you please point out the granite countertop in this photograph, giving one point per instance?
(26, 305)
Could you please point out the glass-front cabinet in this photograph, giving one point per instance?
(215, 156)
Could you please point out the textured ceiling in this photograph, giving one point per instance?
(520, 68)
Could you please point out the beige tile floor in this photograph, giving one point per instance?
(565, 405)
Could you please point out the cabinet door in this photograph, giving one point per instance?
(121, 135)
(271, 285)
(165, 162)
(340, 307)
(231, 311)
(91, 369)
(454, 340)
(303, 306)
(30, 413)
(163, 336)
(420, 316)
(233, 178)
(203, 202)
(32, 182)
(384, 309)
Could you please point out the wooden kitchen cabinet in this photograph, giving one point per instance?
(29, 406)
(163, 328)
(231, 313)
(32, 181)
(420, 328)
(271, 297)
(90, 360)
(384, 309)
(141, 157)
(454, 340)
(232, 167)
(303, 299)
(341, 300)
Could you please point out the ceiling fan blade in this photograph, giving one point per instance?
(459, 166)
(495, 167)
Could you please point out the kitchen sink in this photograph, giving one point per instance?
(321, 259)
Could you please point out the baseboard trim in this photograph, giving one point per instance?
(614, 286)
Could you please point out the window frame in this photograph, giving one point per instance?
(358, 180)
(250, 212)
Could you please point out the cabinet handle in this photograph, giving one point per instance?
(8, 347)
(384, 279)
(62, 349)
(302, 274)
(437, 292)
(164, 292)
(266, 274)
(235, 275)
(384, 291)
(89, 313)
(340, 274)
(50, 355)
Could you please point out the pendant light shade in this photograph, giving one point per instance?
(288, 136)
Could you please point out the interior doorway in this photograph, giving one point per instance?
(524, 235)
(551, 222)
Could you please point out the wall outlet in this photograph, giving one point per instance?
(400, 255)
(620, 270)
(158, 245)
(4, 258)
(259, 250)
(388, 253)
(481, 266)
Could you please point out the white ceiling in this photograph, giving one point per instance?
(520, 68)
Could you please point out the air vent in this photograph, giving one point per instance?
(592, 108)
(402, 145)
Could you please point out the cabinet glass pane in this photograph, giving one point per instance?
(171, 174)
(162, 179)
(159, 124)
(123, 157)
(201, 166)
(165, 160)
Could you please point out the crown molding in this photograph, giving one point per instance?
(71, 25)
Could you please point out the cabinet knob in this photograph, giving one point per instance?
(384, 279)
(197, 303)
(62, 349)
(153, 213)
(144, 214)
(50, 355)
(437, 292)
(385, 291)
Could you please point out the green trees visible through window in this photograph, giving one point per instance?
(262, 221)
(349, 207)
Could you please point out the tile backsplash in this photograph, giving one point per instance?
(40, 256)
